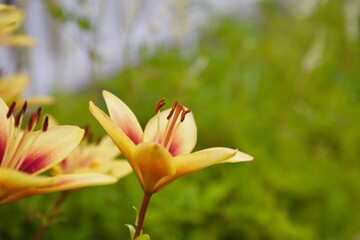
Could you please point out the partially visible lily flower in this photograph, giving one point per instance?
(162, 152)
(26, 153)
(10, 20)
(13, 87)
(99, 157)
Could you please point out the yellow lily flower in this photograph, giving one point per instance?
(99, 157)
(12, 87)
(10, 20)
(162, 152)
(24, 154)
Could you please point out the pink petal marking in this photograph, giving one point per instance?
(33, 163)
(131, 133)
(3, 141)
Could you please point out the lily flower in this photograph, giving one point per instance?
(10, 20)
(162, 152)
(26, 153)
(99, 157)
(12, 87)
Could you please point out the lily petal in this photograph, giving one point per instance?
(115, 168)
(50, 147)
(123, 117)
(192, 162)
(183, 139)
(12, 181)
(4, 126)
(155, 163)
(17, 40)
(204, 158)
(63, 183)
(10, 19)
(12, 87)
(122, 141)
(239, 157)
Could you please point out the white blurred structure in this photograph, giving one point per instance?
(62, 59)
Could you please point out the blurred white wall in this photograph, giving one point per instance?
(62, 59)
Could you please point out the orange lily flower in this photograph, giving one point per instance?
(162, 152)
(24, 154)
(10, 20)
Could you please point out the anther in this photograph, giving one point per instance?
(45, 124)
(98, 141)
(11, 110)
(183, 114)
(172, 110)
(18, 118)
(88, 136)
(39, 114)
(159, 105)
(23, 109)
(33, 119)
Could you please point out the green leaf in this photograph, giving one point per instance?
(131, 229)
(143, 237)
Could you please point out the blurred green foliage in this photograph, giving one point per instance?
(255, 85)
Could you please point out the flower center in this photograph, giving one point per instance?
(19, 142)
(175, 118)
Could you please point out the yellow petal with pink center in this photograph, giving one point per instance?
(123, 117)
(125, 144)
(45, 149)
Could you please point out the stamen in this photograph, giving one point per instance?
(45, 124)
(20, 114)
(18, 118)
(33, 119)
(88, 136)
(172, 110)
(168, 134)
(183, 114)
(159, 105)
(11, 110)
(39, 114)
(23, 109)
(98, 141)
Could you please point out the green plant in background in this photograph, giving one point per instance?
(298, 118)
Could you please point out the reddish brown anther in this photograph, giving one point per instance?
(172, 110)
(33, 120)
(45, 124)
(159, 105)
(183, 114)
(18, 118)
(24, 107)
(39, 114)
(11, 110)
(88, 136)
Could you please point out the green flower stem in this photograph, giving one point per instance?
(51, 215)
(141, 218)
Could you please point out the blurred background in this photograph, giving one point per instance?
(279, 80)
